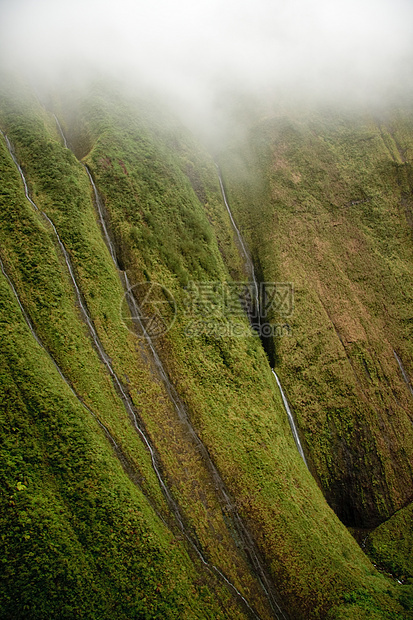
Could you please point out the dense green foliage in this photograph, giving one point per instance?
(78, 539)
(32, 259)
(169, 225)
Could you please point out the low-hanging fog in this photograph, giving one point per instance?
(197, 53)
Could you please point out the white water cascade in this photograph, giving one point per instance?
(248, 261)
(250, 267)
(61, 132)
(404, 373)
(290, 418)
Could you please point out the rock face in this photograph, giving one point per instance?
(149, 468)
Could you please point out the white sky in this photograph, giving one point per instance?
(192, 50)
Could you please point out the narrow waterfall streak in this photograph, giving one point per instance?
(102, 219)
(23, 311)
(97, 198)
(61, 131)
(404, 373)
(290, 419)
(252, 273)
(40, 343)
(26, 189)
(82, 305)
(248, 260)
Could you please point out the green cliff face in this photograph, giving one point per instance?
(325, 201)
(89, 525)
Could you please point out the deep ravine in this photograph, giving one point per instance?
(251, 272)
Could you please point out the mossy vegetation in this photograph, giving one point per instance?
(51, 304)
(78, 538)
(335, 189)
(391, 545)
(169, 225)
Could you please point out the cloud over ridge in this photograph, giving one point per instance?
(193, 49)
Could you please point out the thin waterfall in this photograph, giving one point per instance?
(102, 219)
(290, 418)
(61, 132)
(251, 270)
(11, 151)
(248, 261)
(40, 343)
(404, 373)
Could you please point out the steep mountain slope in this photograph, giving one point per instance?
(337, 193)
(391, 544)
(237, 494)
(78, 538)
